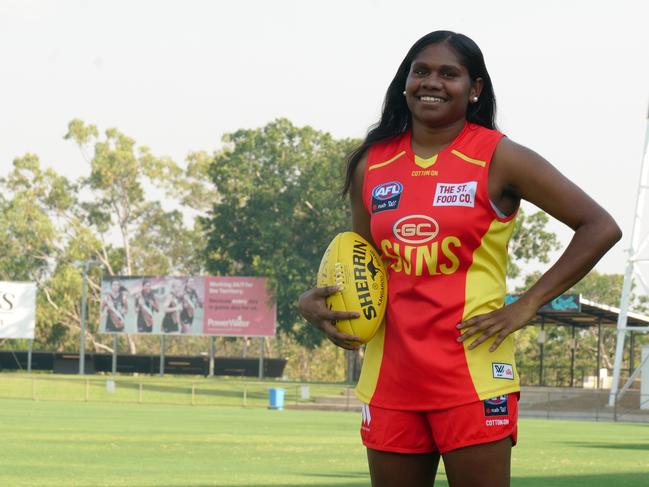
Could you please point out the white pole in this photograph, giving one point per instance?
(621, 331)
(628, 276)
(82, 333)
(212, 352)
(114, 361)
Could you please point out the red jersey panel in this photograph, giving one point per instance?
(445, 251)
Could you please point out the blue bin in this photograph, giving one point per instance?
(276, 398)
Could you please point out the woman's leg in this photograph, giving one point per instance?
(485, 465)
(389, 469)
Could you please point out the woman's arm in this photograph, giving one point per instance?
(521, 173)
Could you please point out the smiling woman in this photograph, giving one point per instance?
(439, 380)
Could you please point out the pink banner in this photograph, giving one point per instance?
(229, 306)
(238, 306)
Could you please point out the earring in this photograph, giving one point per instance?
(404, 92)
(474, 99)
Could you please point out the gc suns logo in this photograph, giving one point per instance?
(415, 229)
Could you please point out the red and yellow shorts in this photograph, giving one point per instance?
(440, 430)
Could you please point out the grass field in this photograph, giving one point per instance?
(62, 443)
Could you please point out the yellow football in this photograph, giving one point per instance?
(351, 262)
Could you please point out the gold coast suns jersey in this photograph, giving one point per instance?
(445, 250)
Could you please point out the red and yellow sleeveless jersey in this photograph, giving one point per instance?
(445, 250)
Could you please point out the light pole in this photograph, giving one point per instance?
(85, 264)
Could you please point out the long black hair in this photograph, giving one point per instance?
(395, 115)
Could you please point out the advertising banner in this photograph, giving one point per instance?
(239, 306)
(566, 303)
(230, 306)
(17, 309)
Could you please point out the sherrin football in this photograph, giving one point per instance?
(351, 262)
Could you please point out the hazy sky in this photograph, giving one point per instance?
(571, 77)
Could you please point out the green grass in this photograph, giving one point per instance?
(62, 443)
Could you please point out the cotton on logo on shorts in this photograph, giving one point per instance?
(502, 371)
(367, 417)
(497, 422)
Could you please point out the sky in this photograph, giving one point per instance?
(571, 77)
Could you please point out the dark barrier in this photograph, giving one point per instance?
(68, 363)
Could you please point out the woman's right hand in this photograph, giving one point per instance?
(313, 308)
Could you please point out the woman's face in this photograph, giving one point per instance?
(176, 288)
(438, 87)
(114, 287)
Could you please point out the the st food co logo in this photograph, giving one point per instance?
(415, 229)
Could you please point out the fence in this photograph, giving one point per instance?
(155, 390)
(535, 402)
(586, 404)
(563, 376)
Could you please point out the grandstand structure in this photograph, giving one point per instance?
(576, 313)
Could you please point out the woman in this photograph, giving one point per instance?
(146, 304)
(116, 306)
(172, 308)
(435, 188)
(190, 301)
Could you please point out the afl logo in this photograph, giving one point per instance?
(497, 401)
(387, 191)
(415, 229)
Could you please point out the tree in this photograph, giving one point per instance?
(278, 207)
(42, 236)
(530, 241)
(50, 223)
(31, 199)
(153, 240)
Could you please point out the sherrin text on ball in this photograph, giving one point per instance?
(351, 263)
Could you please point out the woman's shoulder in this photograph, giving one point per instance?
(476, 131)
(387, 148)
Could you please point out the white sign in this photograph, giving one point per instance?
(17, 309)
(460, 194)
